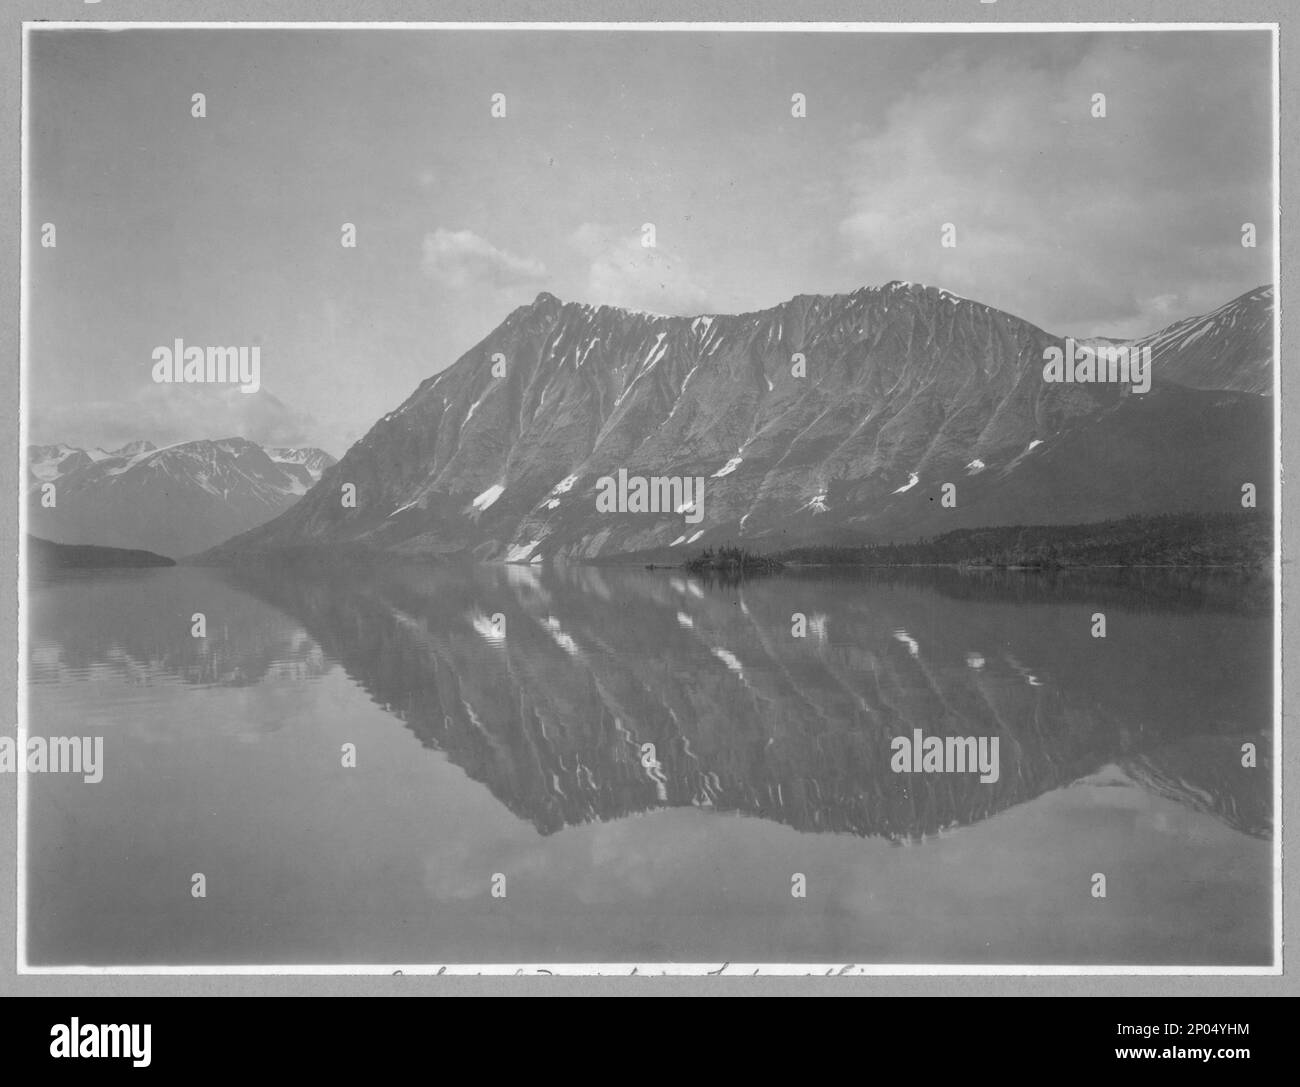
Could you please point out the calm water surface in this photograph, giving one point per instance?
(499, 717)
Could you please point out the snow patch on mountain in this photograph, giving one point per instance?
(657, 352)
(912, 647)
(489, 496)
(817, 503)
(729, 659)
(45, 462)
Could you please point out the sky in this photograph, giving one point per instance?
(225, 229)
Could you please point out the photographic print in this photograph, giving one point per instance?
(601, 498)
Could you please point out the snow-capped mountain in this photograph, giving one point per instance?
(824, 418)
(175, 501)
(132, 449)
(1231, 348)
(49, 462)
(304, 465)
(46, 462)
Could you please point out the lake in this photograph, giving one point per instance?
(649, 767)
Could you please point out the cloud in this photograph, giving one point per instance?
(1084, 225)
(623, 272)
(460, 258)
(165, 414)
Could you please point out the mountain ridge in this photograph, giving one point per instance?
(904, 388)
(175, 500)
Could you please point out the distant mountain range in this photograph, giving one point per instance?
(176, 501)
(821, 420)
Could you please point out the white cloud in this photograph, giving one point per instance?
(461, 258)
(1083, 225)
(623, 272)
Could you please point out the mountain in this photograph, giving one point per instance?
(306, 463)
(176, 500)
(824, 419)
(1231, 348)
(47, 462)
(132, 449)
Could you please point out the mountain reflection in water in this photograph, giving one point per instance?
(535, 693)
(545, 685)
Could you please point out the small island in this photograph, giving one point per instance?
(731, 561)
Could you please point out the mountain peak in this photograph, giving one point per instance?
(133, 448)
(1228, 348)
(907, 386)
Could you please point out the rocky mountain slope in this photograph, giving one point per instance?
(823, 419)
(1231, 348)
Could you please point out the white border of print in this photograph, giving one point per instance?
(624, 969)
